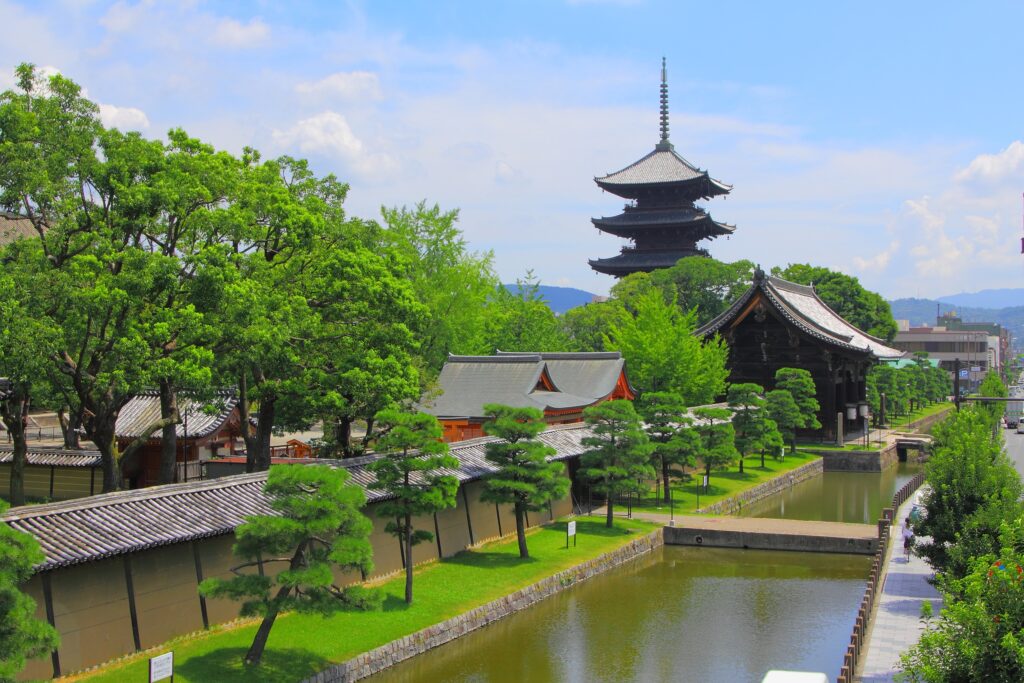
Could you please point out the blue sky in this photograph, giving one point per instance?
(881, 139)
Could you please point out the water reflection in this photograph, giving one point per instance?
(680, 614)
(837, 496)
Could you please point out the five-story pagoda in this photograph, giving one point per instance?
(661, 219)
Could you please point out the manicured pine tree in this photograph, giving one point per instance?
(755, 430)
(800, 385)
(412, 453)
(717, 437)
(619, 451)
(671, 434)
(525, 479)
(785, 413)
(318, 526)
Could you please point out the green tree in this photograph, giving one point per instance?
(844, 294)
(664, 355)
(22, 636)
(992, 386)
(968, 471)
(785, 413)
(617, 459)
(522, 321)
(977, 637)
(670, 432)
(586, 326)
(408, 472)
(452, 282)
(755, 430)
(717, 438)
(799, 383)
(525, 479)
(705, 285)
(318, 525)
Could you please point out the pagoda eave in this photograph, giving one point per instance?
(642, 262)
(704, 187)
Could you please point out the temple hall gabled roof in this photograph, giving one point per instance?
(664, 166)
(592, 375)
(802, 307)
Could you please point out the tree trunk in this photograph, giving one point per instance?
(264, 427)
(608, 515)
(106, 443)
(762, 458)
(169, 437)
(15, 413)
(245, 426)
(741, 463)
(255, 653)
(70, 422)
(368, 435)
(667, 478)
(408, 559)
(521, 530)
(793, 444)
(343, 436)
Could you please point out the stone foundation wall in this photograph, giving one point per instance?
(399, 650)
(858, 461)
(734, 504)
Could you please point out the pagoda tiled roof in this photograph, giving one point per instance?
(687, 216)
(802, 307)
(632, 260)
(662, 166)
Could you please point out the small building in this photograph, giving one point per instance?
(778, 324)
(207, 429)
(975, 350)
(561, 385)
(660, 218)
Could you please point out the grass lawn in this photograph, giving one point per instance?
(723, 484)
(853, 446)
(902, 420)
(300, 645)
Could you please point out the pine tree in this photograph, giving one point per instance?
(525, 479)
(785, 413)
(318, 526)
(717, 436)
(412, 453)
(800, 385)
(619, 450)
(670, 431)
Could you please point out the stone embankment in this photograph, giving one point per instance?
(735, 504)
(396, 651)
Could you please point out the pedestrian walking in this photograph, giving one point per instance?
(908, 539)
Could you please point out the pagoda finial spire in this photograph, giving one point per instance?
(664, 101)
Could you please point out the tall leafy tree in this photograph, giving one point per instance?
(992, 386)
(717, 438)
(525, 479)
(522, 321)
(799, 383)
(318, 526)
(664, 355)
(586, 326)
(669, 429)
(705, 285)
(845, 295)
(618, 455)
(785, 413)
(452, 282)
(408, 471)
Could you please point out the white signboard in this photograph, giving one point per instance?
(572, 528)
(705, 482)
(976, 368)
(161, 667)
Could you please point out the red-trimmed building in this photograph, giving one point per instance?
(561, 385)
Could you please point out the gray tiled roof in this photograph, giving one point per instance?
(87, 529)
(635, 259)
(591, 375)
(663, 165)
(144, 409)
(470, 382)
(801, 305)
(55, 457)
(14, 227)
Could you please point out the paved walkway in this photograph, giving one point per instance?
(797, 527)
(897, 624)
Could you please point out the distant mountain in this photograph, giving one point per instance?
(987, 298)
(560, 299)
(922, 312)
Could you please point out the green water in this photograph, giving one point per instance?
(678, 614)
(837, 496)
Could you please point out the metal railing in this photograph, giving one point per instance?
(860, 626)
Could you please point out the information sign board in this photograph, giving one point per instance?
(161, 667)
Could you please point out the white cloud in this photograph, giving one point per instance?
(329, 134)
(880, 261)
(995, 167)
(125, 118)
(352, 85)
(233, 33)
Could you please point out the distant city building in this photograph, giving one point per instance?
(561, 385)
(780, 324)
(660, 218)
(978, 346)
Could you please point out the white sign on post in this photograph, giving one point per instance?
(161, 667)
(572, 528)
(705, 482)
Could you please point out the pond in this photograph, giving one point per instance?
(678, 614)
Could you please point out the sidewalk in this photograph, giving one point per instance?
(896, 624)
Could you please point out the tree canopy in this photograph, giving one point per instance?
(618, 455)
